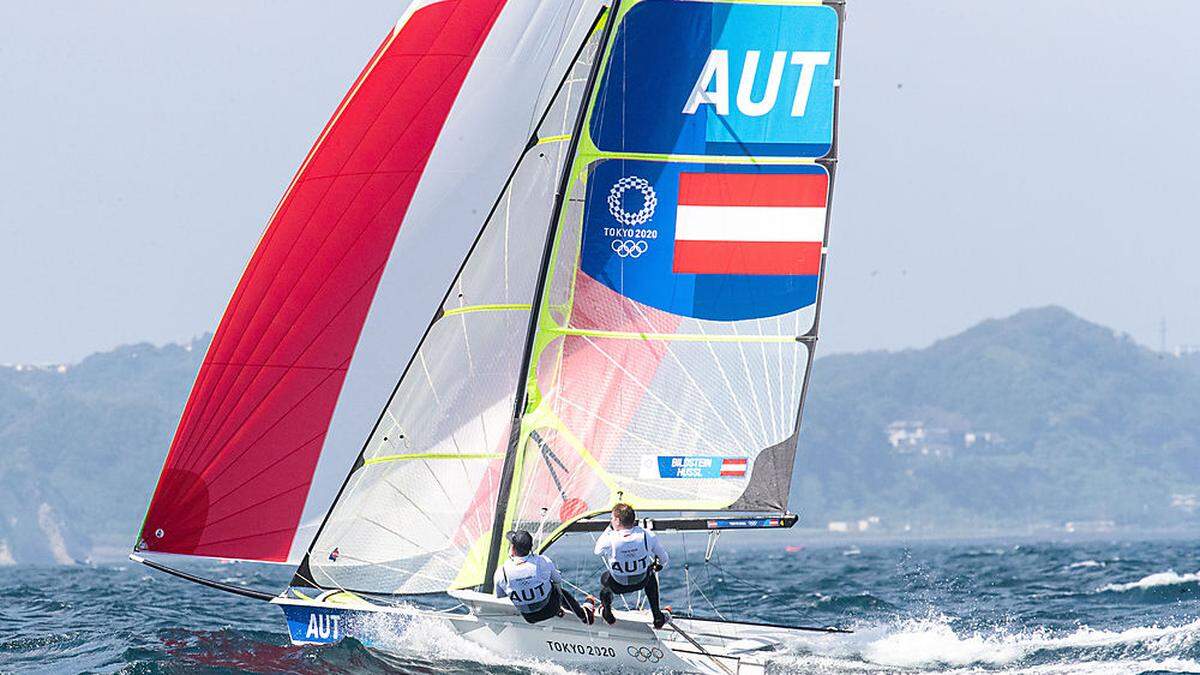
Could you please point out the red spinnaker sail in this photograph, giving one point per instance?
(238, 473)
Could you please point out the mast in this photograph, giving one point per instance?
(504, 491)
(303, 575)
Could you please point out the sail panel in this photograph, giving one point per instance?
(241, 465)
(515, 76)
(680, 305)
(415, 515)
(411, 511)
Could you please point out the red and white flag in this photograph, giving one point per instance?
(750, 224)
(734, 467)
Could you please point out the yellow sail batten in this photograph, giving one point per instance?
(473, 309)
(560, 138)
(431, 456)
(676, 337)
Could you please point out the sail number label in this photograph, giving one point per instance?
(720, 78)
(712, 87)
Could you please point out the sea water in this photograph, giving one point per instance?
(997, 607)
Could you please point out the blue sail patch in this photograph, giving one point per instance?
(713, 78)
(737, 247)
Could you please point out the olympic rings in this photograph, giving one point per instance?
(627, 248)
(649, 201)
(645, 654)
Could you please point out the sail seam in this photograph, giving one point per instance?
(272, 365)
(674, 337)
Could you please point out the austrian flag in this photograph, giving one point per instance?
(733, 467)
(767, 224)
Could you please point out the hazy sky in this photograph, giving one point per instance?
(995, 156)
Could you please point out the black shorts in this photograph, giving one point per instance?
(549, 611)
(619, 588)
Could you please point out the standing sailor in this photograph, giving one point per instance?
(533, 583)
(632, 558)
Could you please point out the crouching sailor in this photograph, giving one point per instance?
(632, 558)
(533, 583)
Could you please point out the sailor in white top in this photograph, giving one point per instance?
(632, 557)
(534, 584)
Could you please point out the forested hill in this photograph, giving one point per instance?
(1038, 419)
(81, 446)
(1035, 420)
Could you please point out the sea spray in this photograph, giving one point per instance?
(937, 607)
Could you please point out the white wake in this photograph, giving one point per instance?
(932, 643)
(1168, 578)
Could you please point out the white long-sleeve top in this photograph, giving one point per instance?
(629, 553)
(527, 581)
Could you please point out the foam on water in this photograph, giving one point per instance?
(934, 643)
(1168, 578)
(938, 607)
(431, 639)
(832, 666)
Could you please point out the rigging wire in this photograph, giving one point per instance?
(752, 586)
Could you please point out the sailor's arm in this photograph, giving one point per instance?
(498, 584)
(555, 575)
(602, 542)
(659, 551)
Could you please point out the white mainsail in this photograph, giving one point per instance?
(415, 514)
(676, 311)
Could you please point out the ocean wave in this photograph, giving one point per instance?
(1160, 579)
(861, 601)
(822, 664)
(934, 643)
(1085, 564)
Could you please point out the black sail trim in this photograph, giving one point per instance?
(220, 586)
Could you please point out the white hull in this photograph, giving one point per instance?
(631, 644)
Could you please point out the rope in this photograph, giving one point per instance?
(747, 584)
(711, 604)
(687, 573)
(699, 646)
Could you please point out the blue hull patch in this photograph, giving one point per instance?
(311, 625)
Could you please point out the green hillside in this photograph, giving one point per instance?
(1030, 421)
(1086, 426)
(81, 445)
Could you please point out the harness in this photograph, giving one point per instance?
(640, 567)
(517, 596)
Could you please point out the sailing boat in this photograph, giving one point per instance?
(545, 257)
